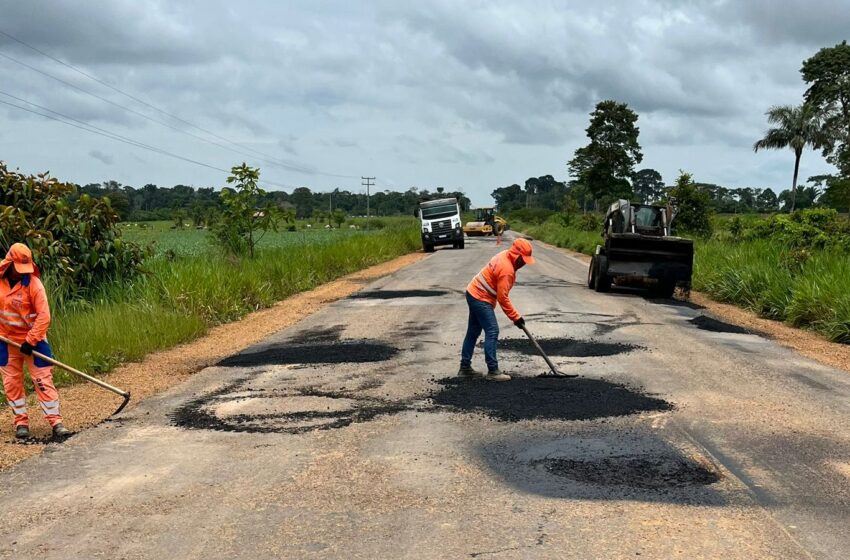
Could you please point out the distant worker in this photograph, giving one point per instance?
(489, 286)
(24, 319)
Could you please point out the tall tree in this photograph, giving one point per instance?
(608, 162)
(828, 76)
(795, 128)
(648, 185)
(694, 206)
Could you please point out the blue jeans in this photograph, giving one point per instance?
(482, 316)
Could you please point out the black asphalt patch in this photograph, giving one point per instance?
(651, 473)
(707, 323)
(397, 294)
(569, 347)
(532, 398)
(322, 352)
(198, 414)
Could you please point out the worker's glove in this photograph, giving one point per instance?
(26, 349)
(520, 323)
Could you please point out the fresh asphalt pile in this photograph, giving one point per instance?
(398, 294)
(646, 473)
(323, 352)
(706, 323)
(568, 347)
(534, 398)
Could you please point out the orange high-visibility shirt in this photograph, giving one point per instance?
(495, 281)
(24, 311)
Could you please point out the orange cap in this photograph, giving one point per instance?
(21, 256)
(522, 247)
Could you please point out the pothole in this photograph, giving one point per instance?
(649, 473)
(568, 347)
(280, 405)
(301, 410)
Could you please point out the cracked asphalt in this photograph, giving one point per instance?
(341, 437)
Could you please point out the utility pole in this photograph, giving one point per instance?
(367, 182)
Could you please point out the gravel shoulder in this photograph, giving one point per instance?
(85, 405)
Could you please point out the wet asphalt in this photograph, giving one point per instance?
(348, 436)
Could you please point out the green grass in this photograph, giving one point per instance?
(560, 236)
(193, 287)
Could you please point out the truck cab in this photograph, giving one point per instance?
(440, 221)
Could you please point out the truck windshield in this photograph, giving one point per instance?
(442, 211)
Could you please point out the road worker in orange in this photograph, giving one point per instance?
(24, 319)
(490, 286)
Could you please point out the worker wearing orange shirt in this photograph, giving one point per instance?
(490, 286)
(24, 319)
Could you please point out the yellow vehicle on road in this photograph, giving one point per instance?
(487, 222)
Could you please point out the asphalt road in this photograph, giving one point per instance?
(345, 437)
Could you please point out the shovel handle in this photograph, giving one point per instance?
(539, 349)
(75, 371)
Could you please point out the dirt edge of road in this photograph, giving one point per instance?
(804, 342)
(84, 405)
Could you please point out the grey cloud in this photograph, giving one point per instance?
(106, 159)
(429, 93)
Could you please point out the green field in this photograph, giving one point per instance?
(189, 286)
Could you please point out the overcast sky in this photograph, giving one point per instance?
(470, 95)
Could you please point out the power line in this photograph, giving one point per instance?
(82, 125)
(262, 156)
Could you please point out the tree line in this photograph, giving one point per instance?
(203, 204)
(605, 169)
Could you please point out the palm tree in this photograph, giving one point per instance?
(795, 128)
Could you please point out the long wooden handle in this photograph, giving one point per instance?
(542, 353)
(75, 371)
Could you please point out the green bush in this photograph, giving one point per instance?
(78, 245)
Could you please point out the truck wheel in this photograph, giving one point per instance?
(603, 281)
(460, 244)
(591, 273)
(428, 248)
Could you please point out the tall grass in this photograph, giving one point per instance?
(808, 289)
(183, 293)
(562, 236)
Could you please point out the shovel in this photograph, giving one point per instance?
(555, 372)
(87, 377)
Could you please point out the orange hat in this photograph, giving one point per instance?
(522, 247)
(21, 256)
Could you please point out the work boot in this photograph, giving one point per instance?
(496, 375)
(60, 432)
(467, 371)
(22, 432)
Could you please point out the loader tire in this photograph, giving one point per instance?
(603, 281)
(591, 273)
(665, 289)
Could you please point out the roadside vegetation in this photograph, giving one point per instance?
(784, 256)
(119, 291)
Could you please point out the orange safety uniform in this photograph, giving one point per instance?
(495, 280)
(25, 317)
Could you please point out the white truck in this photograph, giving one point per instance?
(440, 223)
